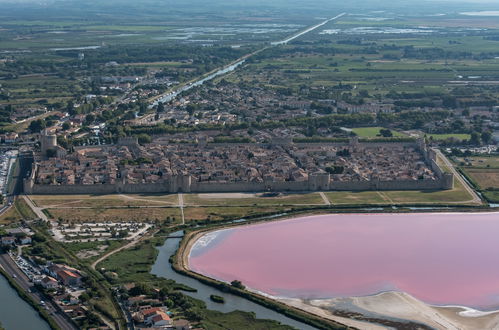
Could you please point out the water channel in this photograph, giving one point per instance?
(163, 268)
(15, 313)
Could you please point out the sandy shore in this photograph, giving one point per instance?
(398, 306)
(366, 311)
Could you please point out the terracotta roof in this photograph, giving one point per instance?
(160, 317)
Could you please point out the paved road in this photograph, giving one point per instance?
(13, 270)
(181, 205)
(476, 199)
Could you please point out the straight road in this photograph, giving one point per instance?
(13, 270)
(476, 199)
(181, 205)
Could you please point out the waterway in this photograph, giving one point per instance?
(163, 268)
(440, 258)
(15, 313)
(168, 97)
(172, 95)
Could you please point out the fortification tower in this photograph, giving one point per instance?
(48, 142)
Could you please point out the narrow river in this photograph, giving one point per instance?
(15, 313)
(163, 268)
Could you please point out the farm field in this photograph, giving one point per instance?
(485, 178)
(371, 132)
(483, 171)
(461, 137)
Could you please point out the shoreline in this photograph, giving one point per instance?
(378, 308)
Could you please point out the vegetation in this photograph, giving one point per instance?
(217, 299)
(483, 173)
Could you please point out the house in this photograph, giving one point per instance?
(69, 278)
(149, 313)
(10, 137)
(181, 325)
(49, 282)
(8, 240)
(25, 240)
(160, 319)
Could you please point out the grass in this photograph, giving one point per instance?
(407, 197)
(461, 137)
(252, 199)
(10, 216)
(18, 212)
(492, 196)
(77, 248)
(351, 197)
(228, 213)
(484, 178)
(24, 210)
(483, 173)
(237, 320)
(96, 201)
(480, 161)
(115, 214)
(371, 132)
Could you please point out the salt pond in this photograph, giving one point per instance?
(440, 258)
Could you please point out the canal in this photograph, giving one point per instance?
(15, 313)
(163, 268)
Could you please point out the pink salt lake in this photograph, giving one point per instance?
(440, 258)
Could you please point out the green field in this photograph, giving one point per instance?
(241, 199)
(462, 137)
(371, 132)
(458, 195)
(116, 214)
(96, 201)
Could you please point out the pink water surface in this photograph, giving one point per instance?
(438, 258)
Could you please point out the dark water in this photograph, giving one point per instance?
(163, 268)
(15, 313)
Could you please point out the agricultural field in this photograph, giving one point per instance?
(462, 137)
(372, 132)
(483, 172)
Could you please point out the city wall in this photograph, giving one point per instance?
(321, 182)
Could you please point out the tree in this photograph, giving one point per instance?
(66, 126)
(161, 107)
(144, 139)
(385, 132)
(70, 108)
(475, 138)
(89, 119)
(37, 125)
(486, 137)
(238, 284)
